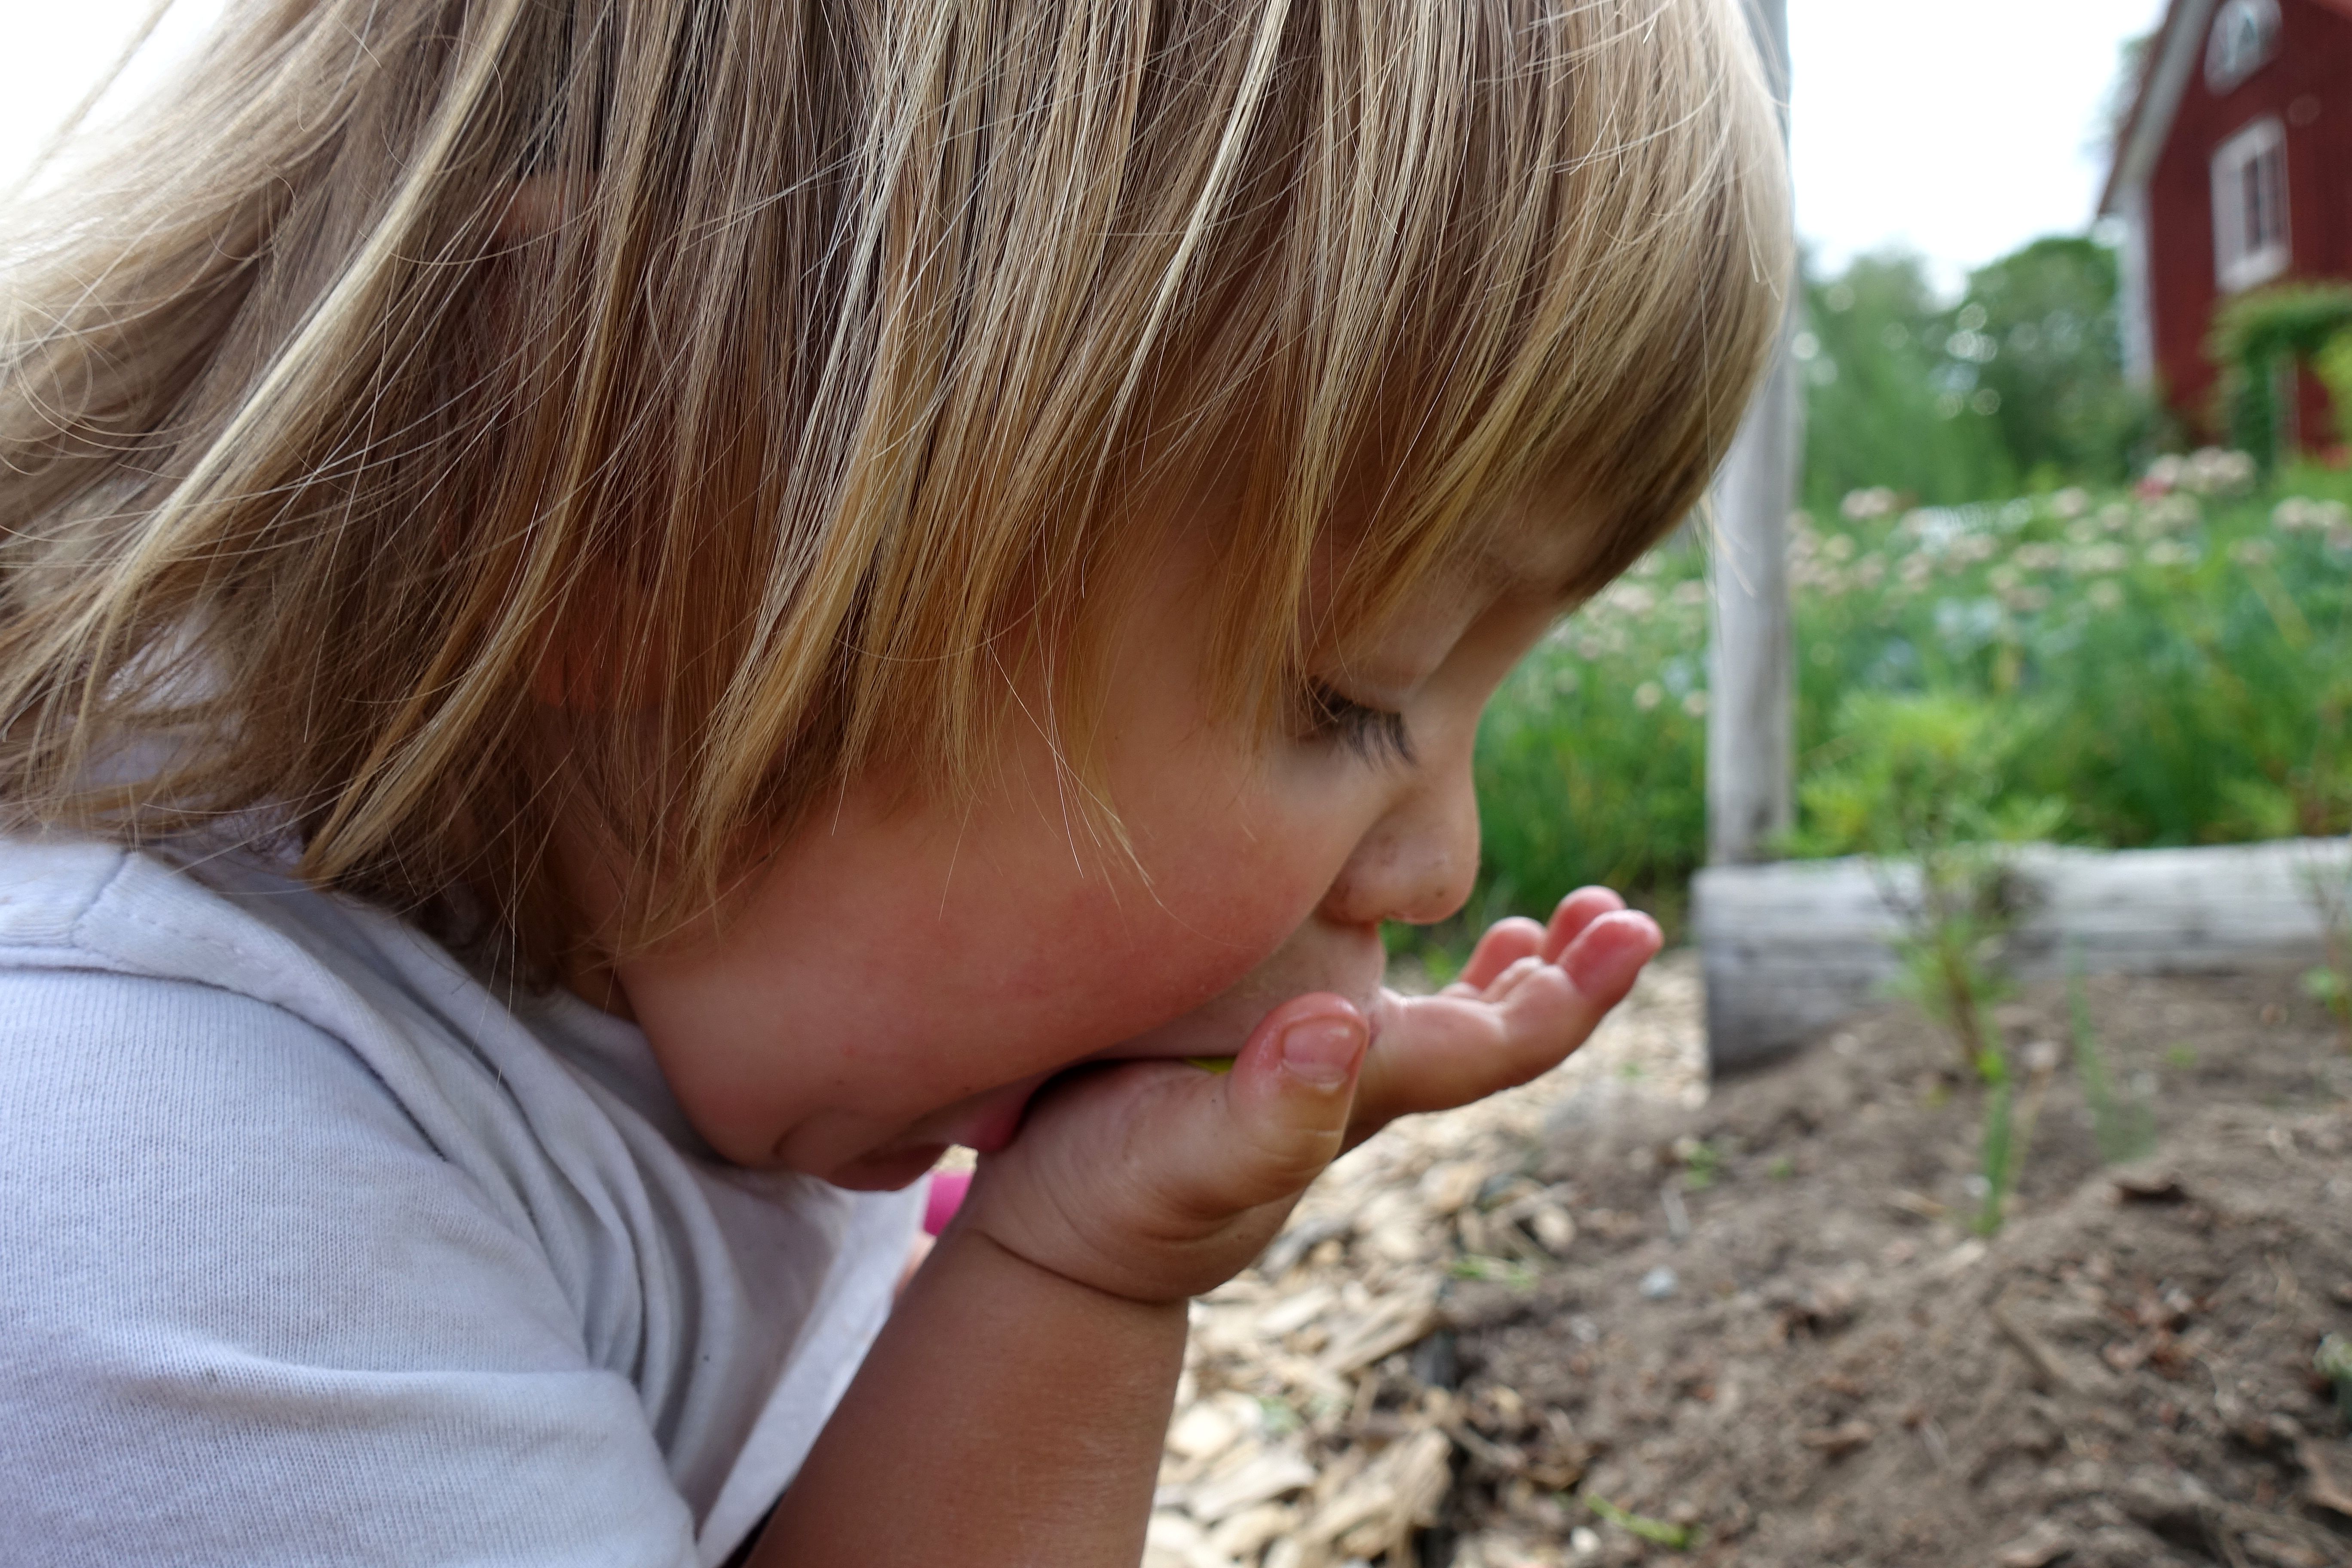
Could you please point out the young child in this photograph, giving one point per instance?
(622, 619)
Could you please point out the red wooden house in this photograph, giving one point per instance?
(2233, 170)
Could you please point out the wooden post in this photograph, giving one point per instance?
(1751, 722)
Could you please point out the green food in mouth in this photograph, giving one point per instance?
(1219, 1065)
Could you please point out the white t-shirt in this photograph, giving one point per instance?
(313, 1249)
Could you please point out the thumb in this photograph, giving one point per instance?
(1282, 1113)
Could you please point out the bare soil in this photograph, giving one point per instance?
(1840, 1372)
(1756, 1325)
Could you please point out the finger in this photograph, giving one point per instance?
(1505, 943)
(1435, 1052)
(1608, 954)
(1278, 1118)
(1575, 912)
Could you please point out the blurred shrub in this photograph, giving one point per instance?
(1918, 778)
(2050, 351)
(2261, 335)
(2017, 385)
(2333, 365)
(2173, 663)
(1593, 762)
(1885, 402)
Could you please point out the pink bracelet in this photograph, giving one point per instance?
(946, 1196)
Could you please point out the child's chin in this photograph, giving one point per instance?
(887, 1169)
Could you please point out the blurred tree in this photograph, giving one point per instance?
(1886, 403)
(2043, 330)
(2017, 386)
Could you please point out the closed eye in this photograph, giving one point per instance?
(1375, 734)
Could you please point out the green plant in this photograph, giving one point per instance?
(1500, 1270)
(2328, 886)
(1888, 401)
(2259, 336)
(2333, 365)
(2174, 663)
(2008, 1122)
(2123, 1127)
(1997, 1144)
(2043, 330)
(2334, 1361)
(1592, 763)
(1918, 790)
(1657, 1531)
(1277, 1416)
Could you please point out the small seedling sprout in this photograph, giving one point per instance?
(2327, 887)
(2121, 1125)
(1499, 1270)
(1657, 1531)
(2333, 1361)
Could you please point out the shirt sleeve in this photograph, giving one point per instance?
(251, 1316)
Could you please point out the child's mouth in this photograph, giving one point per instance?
(984, 1124)
(994, 1129)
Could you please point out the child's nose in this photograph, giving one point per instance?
(1418, 863)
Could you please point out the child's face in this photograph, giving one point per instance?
(901, 977)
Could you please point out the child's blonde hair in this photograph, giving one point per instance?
(785, 365)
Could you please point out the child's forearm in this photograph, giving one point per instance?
(1005, 1416)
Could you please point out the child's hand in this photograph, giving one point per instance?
(1155, 1181)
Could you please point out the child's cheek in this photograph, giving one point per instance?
(1145, 953)
(1213, 948)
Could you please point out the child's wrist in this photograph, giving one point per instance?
(970, 1253)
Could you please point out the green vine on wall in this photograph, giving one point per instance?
(2258, 335)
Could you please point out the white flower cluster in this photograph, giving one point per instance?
(2098, 560)
(2209, 471)
(2174, 513)
(2332, 519)
(1829, 566)
(1871, 505)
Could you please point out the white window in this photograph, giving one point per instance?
(2250, 231)
(2244, 34)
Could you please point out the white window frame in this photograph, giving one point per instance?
(2253, 242)
(2255, 23)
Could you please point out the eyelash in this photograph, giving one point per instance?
(1375, 734)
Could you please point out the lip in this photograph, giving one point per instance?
(984, 1123)
(887, 1169)
(991, 1127)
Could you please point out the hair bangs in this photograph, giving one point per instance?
(763, 389)
(1513, 252)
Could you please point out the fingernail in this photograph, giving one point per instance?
(1321, 1052)
(1601, 968)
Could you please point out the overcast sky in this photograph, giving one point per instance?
(1959, 128)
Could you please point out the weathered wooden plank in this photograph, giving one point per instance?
(1790, 948)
